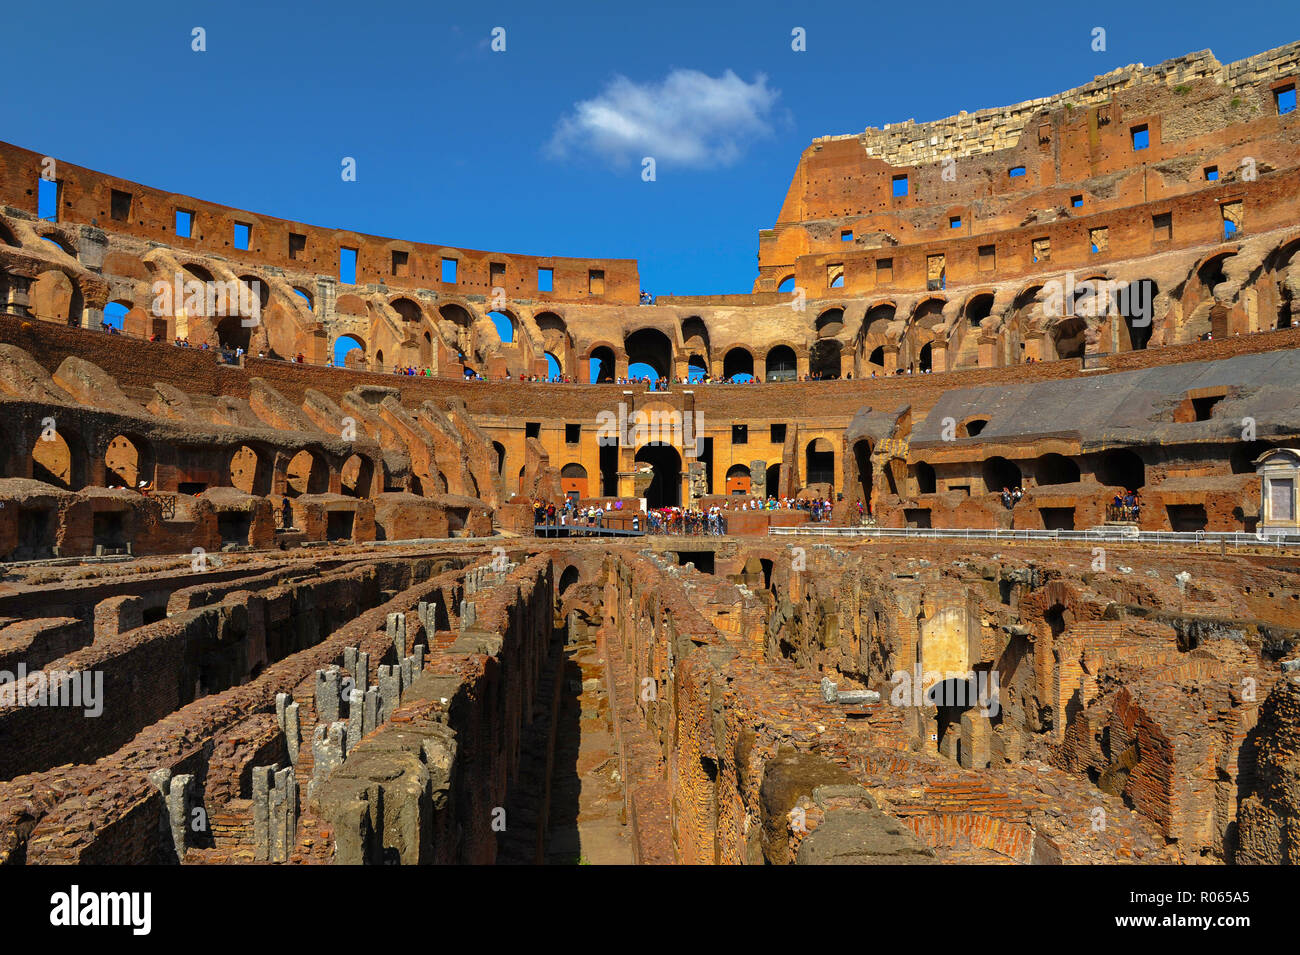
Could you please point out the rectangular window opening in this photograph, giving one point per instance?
(1015, 172)
(184, 223)
(347, 266)
(846, 235)
(47, 198)
(545, 280)
(119, 207)
(988, 258)
(532, 429)
(740, 434)
(572, 432)
(1162, 226)
(900, 185)
(297, 244)
(884, 271)
(1285, 100)
(778, 434)
(1211, 173)
(596, 281)
(401, 265)
(954, 222)
(449, 271)
(1141, 137)
(243, 232)
(1076, 201)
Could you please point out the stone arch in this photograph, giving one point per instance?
(1121, 467)
(342, 352)
(128, 462)
(665, 488)
(573, 481)
(830, 322)
(998, 473)
(306, 473)
(607, 370)
(1053, 468)
(408, 309)
(782, 363)
(249, 470)
(738, 480)
(738, 361)
(650, 346)
(54, 460)
(357, 476)
(824, 359)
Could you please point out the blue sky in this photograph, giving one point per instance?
(536, 149)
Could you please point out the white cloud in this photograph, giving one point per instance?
(689, 119)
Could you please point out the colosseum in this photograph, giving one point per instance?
(969, 534)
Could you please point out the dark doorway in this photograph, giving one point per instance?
(665, 489)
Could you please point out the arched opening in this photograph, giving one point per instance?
(1055, 468)
(344, 346)
(1000, 473)
(786, 284)
(501, 456)
(824, 359)
(305, 296)
(1068, 337)
(738, 480)
(924, 358)
(1121, 468)
(257, 289)
(830, 322)
(553, 368)
(877, 357)
(819, 462)
(356, 476)
(697, 369)
(738, 364)
(781, 365)
(409, 311)
(306, 474)
(232, 333)
(128, 463)
(979, 308)
(52, 460)
(665, 488)
(115, 315)
(573, 481)
(651, 349)
(505, 326)
(568, 578)
(602, 365)
(923, 473)
(862, 458)
(250, 472)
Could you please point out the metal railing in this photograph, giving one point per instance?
(1116, 534)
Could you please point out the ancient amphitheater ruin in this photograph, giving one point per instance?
(261, 606)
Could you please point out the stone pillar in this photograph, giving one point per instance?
(390, 691)
(327, 695)
(177, 796)
(117, 615)
(329, 747)
(396, 623)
